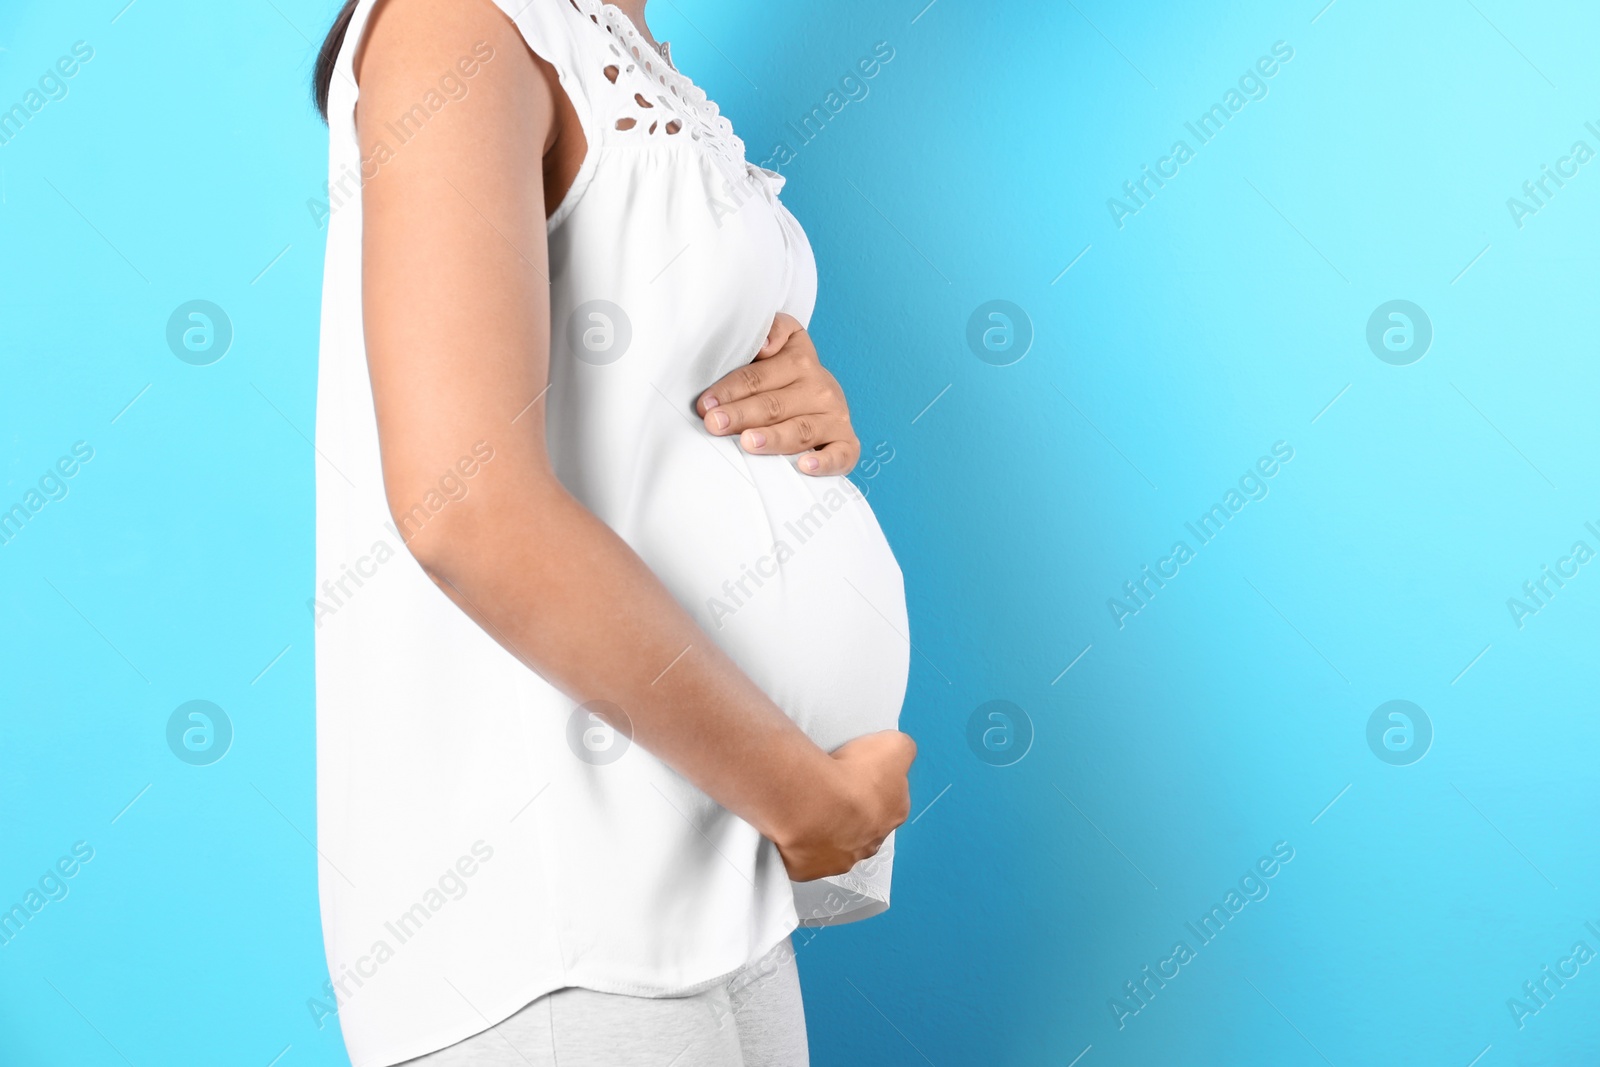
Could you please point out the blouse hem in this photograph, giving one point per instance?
(400, 1052)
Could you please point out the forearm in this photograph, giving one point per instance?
(458, 328)
(560, 590)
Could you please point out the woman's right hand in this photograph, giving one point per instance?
(867, 795)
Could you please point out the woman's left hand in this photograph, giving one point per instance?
(785, 402)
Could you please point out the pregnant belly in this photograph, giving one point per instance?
(789, 574)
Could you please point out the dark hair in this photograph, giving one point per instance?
(328, 55)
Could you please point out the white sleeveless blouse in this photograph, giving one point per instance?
(483, 841)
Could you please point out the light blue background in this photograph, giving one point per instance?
(1223, 718)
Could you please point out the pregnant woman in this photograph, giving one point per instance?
(607, 679)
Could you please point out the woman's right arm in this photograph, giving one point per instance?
(456, 306)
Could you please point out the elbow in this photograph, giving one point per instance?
(472, 513)
(438, 516)
(442, 533)
(452, 525)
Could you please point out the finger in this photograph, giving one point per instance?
(802, 434)
(760, 376)
(772, 406)
(825, 439)
(836, 457)
(791, 361)
(783, 327)
(790, 437)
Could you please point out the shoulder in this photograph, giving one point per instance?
(419, 57)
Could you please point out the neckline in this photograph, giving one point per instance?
(663, 49)
(631, 34)
(712, 128)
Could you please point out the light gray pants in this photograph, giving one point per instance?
(755, 1019)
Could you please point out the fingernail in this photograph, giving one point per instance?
(710, 402)
(720, 419)
(809, 462)
(755, 438)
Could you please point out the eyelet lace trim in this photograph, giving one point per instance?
(664, 102)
